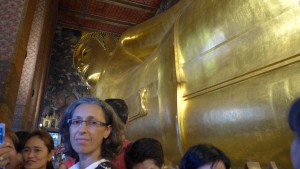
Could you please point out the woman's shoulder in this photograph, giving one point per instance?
(106, 165)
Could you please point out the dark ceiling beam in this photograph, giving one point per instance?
(132, 5)
(95, 18)
(85, 29)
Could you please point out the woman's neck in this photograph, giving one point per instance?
(87, 159)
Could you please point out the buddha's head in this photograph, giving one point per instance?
(91, 54)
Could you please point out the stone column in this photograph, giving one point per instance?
(35, 65)
(16, 18)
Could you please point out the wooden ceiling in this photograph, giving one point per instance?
(114, 16)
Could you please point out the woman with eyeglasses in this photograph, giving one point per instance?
(91, 133)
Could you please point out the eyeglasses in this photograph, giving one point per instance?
(89, 123)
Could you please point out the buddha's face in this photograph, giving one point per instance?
(89, 60)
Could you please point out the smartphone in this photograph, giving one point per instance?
(2, 133)
(2, 137)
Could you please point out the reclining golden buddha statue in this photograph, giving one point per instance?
(219, 72)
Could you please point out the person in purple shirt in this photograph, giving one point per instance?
(294, 122)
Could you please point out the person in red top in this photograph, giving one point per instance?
(121, 109)
(119, 162)
(67, 163)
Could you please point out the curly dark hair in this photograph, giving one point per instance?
(144, 149)
(111, 146)
(120, 108)
(201, 154)
(22, 135)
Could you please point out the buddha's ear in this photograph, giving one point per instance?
(110, 42)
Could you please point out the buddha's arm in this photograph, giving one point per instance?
(141, 40)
